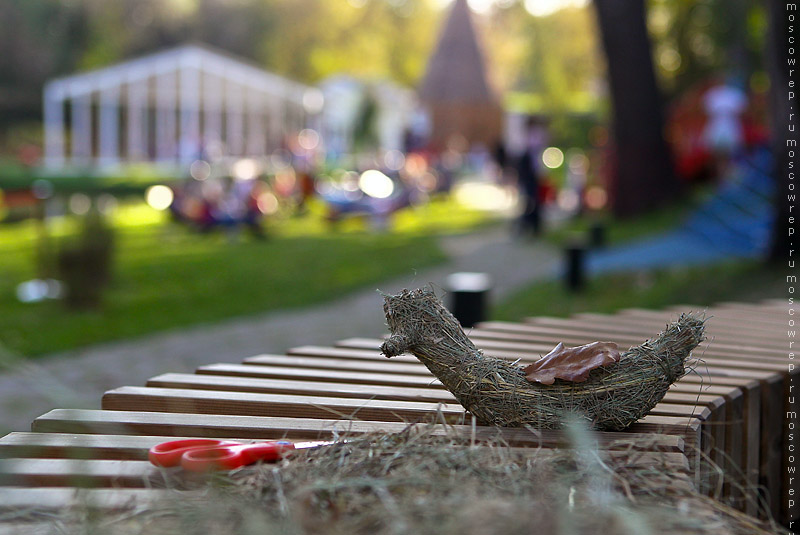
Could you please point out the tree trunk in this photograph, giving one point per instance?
(777, 60)
(642, 177)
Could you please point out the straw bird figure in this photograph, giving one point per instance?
(613, 394)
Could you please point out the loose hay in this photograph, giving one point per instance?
(496, 391)
(421, 482)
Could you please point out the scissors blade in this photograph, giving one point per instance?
(316, 444)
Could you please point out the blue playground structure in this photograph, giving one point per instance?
(735, 222)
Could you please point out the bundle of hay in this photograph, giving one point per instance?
(611, 396)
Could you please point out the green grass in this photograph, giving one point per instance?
(167, 277)
(731, 281)
(623, 230)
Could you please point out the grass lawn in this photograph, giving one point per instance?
(731, 281)
(166, 276)
(623, 230)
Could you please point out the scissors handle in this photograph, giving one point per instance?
(168, 454)
(204, 459)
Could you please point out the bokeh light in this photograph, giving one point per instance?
(106, 203)
(483, 196)
(542, 8)
(267, 203)
(308, 139)
(79, 203)
(313, 100)
(159, 197)
(376, 184)
(552, 157)
(245, 169)
(669, 59)
(200, 170)
(568, 200)
(596, 198)
(577, 161)
(394, 160)
(42, 189)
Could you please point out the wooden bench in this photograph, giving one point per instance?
(724, 410)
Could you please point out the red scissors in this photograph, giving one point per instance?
(205, 454)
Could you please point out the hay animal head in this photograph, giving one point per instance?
(417, 318)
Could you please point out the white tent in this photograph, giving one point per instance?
(344, 96)
(171, 107)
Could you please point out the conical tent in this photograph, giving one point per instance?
(456, 89)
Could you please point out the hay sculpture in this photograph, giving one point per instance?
(497, 392)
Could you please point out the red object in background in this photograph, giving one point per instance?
(19, 198)
(686, 122)
(29, 154)
(547, 191)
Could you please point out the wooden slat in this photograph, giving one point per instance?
(292, 387)
(313, 374)
(80, 446)
(501, 346)
(50, 499)
(235, 403)
(637, 324)
(135, 398)
(127, 447)
(710, 402)
(105, 422)
(84, 473)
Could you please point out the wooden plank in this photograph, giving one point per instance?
(710, 402)
(126, 447)
(235, 403)
(500, 345)
(51, 499)
(584, 332)
(248, 404)
(636, 324)
(292, 387)
(335, 363)
(313, 374)
(80, 446)
(85, 473)
(520, 352)
(135, 398)
(752, 320)
(103, 422)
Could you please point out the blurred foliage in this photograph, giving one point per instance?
(698, 38)
(552, 63)
(303, 39)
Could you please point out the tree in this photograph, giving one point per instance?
(643, 176)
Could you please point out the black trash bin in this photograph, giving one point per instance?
(469, 297)
(575, 268)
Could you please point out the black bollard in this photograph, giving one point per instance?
(574, 274)
(469, 297)
(597, 235)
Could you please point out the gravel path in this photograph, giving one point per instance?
(77, 379)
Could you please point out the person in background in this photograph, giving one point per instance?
(528, 178)
(724, 135)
